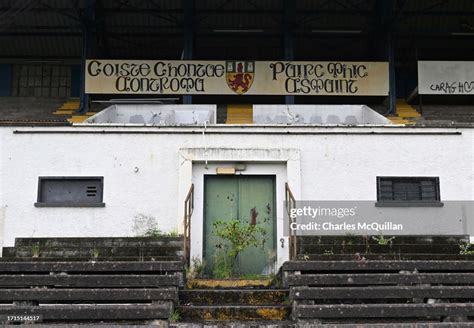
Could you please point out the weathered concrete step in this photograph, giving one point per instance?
(383, 257)
(237, 324)
(382, 292)
(112, 258)
(77, 312)
(229, 283)
(65, 252)
(234, 312)
(269, 324)
(89, 280)
(233, 296)
(8, 252)
(384, 310)
(381, 266)
(394, 248)
(98, 267)
(107, 295)
(338, 240)
(379, 279)
(101, 242)
(316, 324)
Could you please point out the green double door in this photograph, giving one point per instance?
(250, 199)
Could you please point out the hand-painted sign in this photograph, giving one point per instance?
(236, 77)
(445, 78)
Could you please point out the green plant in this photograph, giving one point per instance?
(197, 268)
(153, 233)
(465, 248)
(175, 316)
(95, 253)
(173, 233)
(305, 257)
(367, 244)
(382, 241)
(236, 237)
(35, 250)
(256, 276)
(222, 266)
(146, 226)
(328, 252)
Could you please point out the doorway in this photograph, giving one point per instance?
(251, 200)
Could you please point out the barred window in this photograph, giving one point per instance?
(408, 189)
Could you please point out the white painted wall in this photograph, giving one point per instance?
(333, 164)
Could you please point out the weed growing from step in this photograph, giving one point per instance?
(154, 233)
(35, 250)
(147, 226)
(383, 241)
(236, 237)
(255, 276)
(173, 233)
(95, 253)
(328, 252)
(197, 268)
(466, 248)
(175, 316)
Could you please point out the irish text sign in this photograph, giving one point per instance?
(236, 77)
(445, 78)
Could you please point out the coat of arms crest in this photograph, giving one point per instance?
(239, 75)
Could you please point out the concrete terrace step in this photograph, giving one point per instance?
(393, 248)
(90, 280)
(113, 258)
(383, 257)
(234, 313)
(271, 324)
(221, 300)
(233, 296)
(366, 279)
(379, 266)
(97, 295)
(384, 311)
(162, 248)
(96, 267)
(316, 324)
(237, 324)
(372, 240)
(100, 241)
(229, 283)
(91, 312)
(344, 294)
(77, 252)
